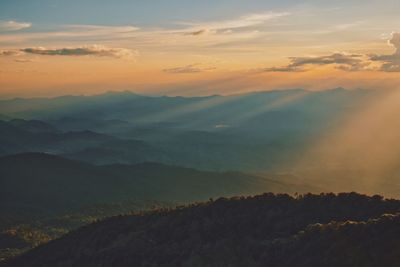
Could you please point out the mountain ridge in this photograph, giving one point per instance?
(44, 181)
(268, 229)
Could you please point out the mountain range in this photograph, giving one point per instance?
(151, 163)
(261, 131)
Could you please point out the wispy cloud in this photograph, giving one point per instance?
(347, 26)
(193, 68)
(95, 30)
(92, 50)
(223, 25)
(73, 32)
(23, 60)
(12, 25)
(173, 38)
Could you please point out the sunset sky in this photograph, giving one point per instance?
(176, 47)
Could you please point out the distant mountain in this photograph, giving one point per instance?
(94, 124)
(120, 151)
(267, 230)
(200, 149)
(34, 105)
(193, 112)
(258, 131)
(34, 126)
(35, 183)
(29, 136)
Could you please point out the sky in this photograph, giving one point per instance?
(176, 47)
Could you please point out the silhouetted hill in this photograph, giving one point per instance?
(350, 243)
(31, 231)
(43, 183)
(347, 229)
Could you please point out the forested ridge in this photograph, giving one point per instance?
(346, 229)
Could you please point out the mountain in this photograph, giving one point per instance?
(18, 237)
(214, 151)
(34, 126)
(43, 196)
(194, 112)
(29, 136)
(258, 131)
(35, 183)
(63, 103)
(347, 229)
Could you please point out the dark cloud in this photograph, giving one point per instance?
(390, 63)
(337, 58)
(343, 61)
(193, 68)
(282, 69)
(348, 62)
(95, 50)
(196, 33)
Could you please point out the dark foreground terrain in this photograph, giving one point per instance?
(44, 196)
(347, 229)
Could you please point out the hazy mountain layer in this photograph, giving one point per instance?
(42, 183)
(263, 131)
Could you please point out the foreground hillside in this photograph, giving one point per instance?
(267, 230)
(44, 196)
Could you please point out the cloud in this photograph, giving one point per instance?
(224, 25)
(390, 63)
(347, 26)
(193, 68)
(195, 33)
(282, 69)
(23, 60)
(95, 30)
(12, 25)
(348, 62)
(343, 61)
(73, 32)
(395, 41)
(92, 50)
(10, 52)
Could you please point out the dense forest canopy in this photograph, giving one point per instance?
(347, 229)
